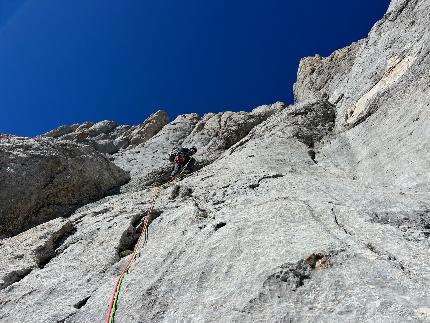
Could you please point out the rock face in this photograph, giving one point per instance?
(319, 212)
(215, 133)
(382, 82)
(43, 179)
(31, 249)
(149, 164)
(108, 137)
(318, 76)
(212, 135)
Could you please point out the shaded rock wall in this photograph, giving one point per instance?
(379, 86)
(41, 179)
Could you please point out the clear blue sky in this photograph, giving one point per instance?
(68, 61)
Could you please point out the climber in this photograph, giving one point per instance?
(183, 157)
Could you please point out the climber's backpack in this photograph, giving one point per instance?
(180, 159)
(173, 153)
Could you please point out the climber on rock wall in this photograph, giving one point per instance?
(183, 158)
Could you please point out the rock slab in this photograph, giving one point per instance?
(41, 179)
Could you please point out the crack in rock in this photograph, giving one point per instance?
(51, 248)
(81, 303)
(389, 257)
(287, 279)
(219, 225)
(14, 277)
(255, 185)
(415, 224)
(340, 225)
(312, 155)
(240, 144)
(131, 235)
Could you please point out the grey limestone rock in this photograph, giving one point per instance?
(61, 131)
(215, 133)
(318, 76)
(149, 164)
(149, 128)
(380, 87)
(212, 134)
(31, 249)
(41, 179)
(316, 213)
(107, 136)
(102, 127)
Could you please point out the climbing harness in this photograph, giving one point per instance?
(143, 238)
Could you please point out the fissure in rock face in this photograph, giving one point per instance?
(131, 236)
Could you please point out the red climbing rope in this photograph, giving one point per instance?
(142, 237)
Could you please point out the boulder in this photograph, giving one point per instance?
(41, 179)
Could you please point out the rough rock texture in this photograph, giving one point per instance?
(149, 164)
(108, 137)
(318, 76)
(380, 87)
(212, 135)
(319, 213)
(215, 133)
(31, 249)
(41, 179)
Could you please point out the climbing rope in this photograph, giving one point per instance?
(143, 238)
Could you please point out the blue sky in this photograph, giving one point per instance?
(68, 61)
(8, 8)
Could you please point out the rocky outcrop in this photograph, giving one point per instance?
(216, 132)
(149, 164)
(41, 179)
(317, 76)
(212, 135)
(357, 77)
(108, 137)
(318, 213)
(380, 88)
(148, 129)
